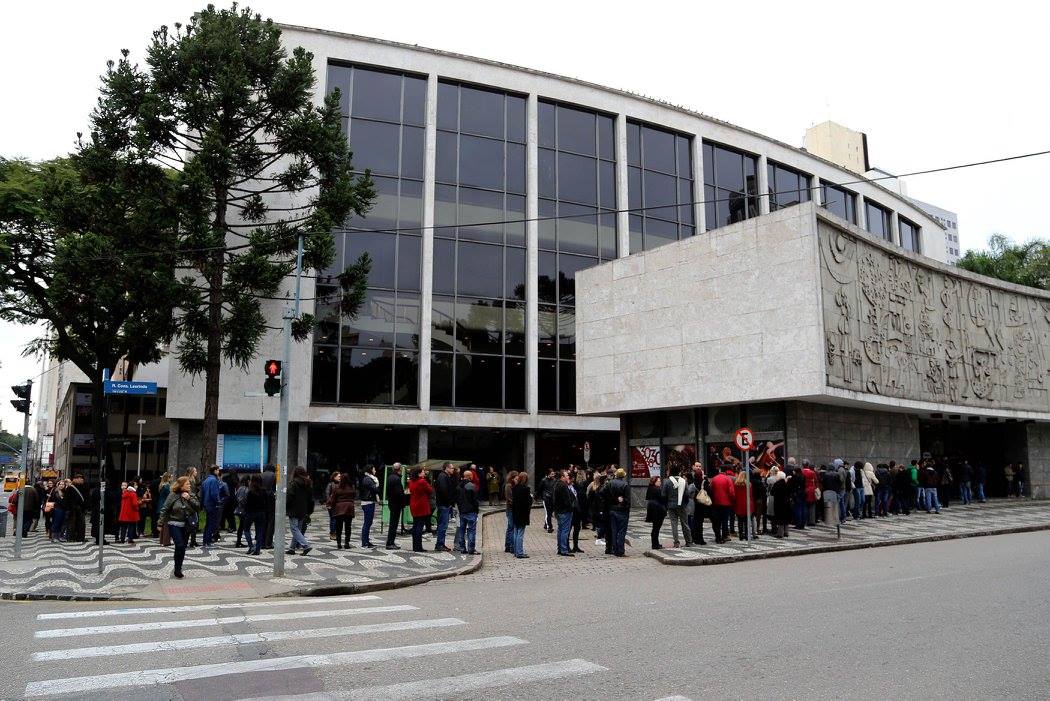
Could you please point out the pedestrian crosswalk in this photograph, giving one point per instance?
(143, 649)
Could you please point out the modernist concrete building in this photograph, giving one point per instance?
(497, 186)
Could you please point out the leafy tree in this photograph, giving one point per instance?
(258, 165)
(86, 248)
(1025, 263)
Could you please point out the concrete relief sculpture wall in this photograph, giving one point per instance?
(899, 329)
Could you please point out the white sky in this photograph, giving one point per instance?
(932, 84)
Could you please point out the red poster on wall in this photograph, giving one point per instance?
(645, 461)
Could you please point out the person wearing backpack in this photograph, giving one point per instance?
(674, 498)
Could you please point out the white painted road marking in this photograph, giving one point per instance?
(242, 639)
(451, 687)
(205, 607)
(675, 698)
(172, 675)
(198, 622)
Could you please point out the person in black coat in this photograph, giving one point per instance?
(655, 509)
(395, 499)
(781, 492)
(521, 507)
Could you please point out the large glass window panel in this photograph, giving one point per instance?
(443, 323)
(375, 146)
(441, 379)
(480, 270)
(547, 128)
(445, 160)
(480, 162)
(479, 381)
(377, 95)
(409, 252)
(606, 137)
(383, 214)
(577, 179)
(607, 235)
(607, 185)
(548, 385)
(481, 112)
(339, 78)
(878, 220)
(547, 325)
(410, 214)
(548, 276)
(514, 284)
(636, 228)
(479, 326)
(909, 233)
(566, 386)
(514, 383)
(327, 314)
(480, 215)
(325, 370)
(729, 169)
(445, 216)
(547, 226)
(448, 107)
(444, 280)
(659, 232)
(547, 176)
(576, 130)
(516, 119)
(566, 332)
(514, 329)
(634, 189)
(415, 101)
(514, 226)
(406, 324)
(634, 144)
(685, 157)
(412, 152)
(658, 150)
(710, 208)
(577, 229)
(374, 325)
(380, 246)
(839, 202)
(366, 376)
(659, 190)
(516, 168)
(406, 378)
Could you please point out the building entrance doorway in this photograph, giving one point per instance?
(991, 445)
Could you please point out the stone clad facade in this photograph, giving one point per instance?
(896, 327)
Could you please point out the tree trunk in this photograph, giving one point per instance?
(213, 369)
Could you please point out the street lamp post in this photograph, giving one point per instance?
(138, 460)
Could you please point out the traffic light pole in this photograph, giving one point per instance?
(20, 514)
(280, 529)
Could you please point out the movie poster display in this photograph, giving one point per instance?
(645, 461)
(766, 455)
(682, 456)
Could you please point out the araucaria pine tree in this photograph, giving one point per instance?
(259, 164)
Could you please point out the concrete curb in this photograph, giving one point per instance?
(318, 590)
(665, 559)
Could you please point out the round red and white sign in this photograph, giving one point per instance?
(744, 438)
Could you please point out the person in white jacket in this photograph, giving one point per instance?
(870, 480)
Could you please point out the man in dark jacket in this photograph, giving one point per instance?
(445, 493)
(547, 494)
(563, 502)
(73, 496)
(619, 510)
(930, 480)
(395, 499)
(467, 503)
(299, 503)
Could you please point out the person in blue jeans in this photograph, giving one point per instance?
(445, 492)
(858, 490)
(562, 503)
(213, 498)
(179, 510)
(255, 504)
(620, 510)
(468, 505)
(368, 491)
(521, 507)
(980, 473)
(931, 480)
(508, 494)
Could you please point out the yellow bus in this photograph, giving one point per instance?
(13, 481)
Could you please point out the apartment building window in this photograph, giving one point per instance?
(730, 185)
(659, 186)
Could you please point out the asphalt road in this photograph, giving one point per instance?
(961, 619)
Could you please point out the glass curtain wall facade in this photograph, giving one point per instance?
(909, 232)
(577, 184)
(839, 201)
(478, 320)
(787, 186)
(374, 359)
(878, 219)
(659, 186)
(730, 185)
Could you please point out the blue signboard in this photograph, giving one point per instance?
(122, 387)
(239, 452)
(7, 459)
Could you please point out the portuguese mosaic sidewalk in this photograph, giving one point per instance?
(67, 571)
(994, 518)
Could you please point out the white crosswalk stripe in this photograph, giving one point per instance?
(143, 663)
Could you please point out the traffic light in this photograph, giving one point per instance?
(22, 392)
(272, 385)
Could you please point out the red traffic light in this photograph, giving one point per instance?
(273, 368)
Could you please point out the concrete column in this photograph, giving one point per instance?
(763, 185)
(625, 453)
(422, 451)
(173, 446)
(426, 282)
(532, 257)
(699, 211)
(814, 191)
(623, 230)
(862, 216)
(302, 444)
(895, 230)
(530, 457)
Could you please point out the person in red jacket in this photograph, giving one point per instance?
(419, 491)
(129, 514)
(723, 499)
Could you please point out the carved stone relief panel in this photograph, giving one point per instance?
(899, 329)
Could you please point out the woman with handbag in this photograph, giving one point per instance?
(180, 510)
(702, 501)
(341, 507)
